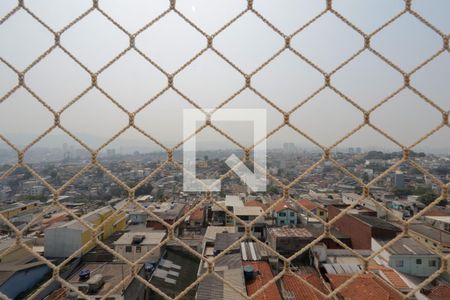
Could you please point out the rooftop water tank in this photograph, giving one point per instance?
(84, 275)
(249, 272)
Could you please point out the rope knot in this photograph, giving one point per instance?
(20, 156)
(57, 37)
(406, 79)
(93, 157)
(56, 119)
(249, 4)
(367, 41)
(287, 41)
(248, 80)
(445, 117)
(94, 79)
(406, 154)
(366, 117)
(327, 79)
(21, 78)
(366, 191)
(131, 119)
(209, 40)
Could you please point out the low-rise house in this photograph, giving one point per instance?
(209, 239)
(225, 240)
(12, 210)
(408, 256)
(220, 217)
(294, 288)
(196, 220)
(288, 241)
(137, 217)
(248, 214)
(104, 277)
(168, 212)
(134, 245)
(439, 222)
(62, 240)
(314, 208)
(229, 267)
(285, 214)
(258, 274)
(364, 287)
(393, 277)
(361, 228)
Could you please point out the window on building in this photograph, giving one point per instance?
(282, 214)
(138, 249)
(418, 261)
(292, 214)
(292, 222)
(399, 263)
(432, 263)
(128, 249)
(281, 222)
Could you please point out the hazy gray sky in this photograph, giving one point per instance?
(209, 80)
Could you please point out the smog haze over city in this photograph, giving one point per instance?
(224, 149)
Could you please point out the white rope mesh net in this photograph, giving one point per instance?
(170, 161)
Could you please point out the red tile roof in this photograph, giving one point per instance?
(301, 290)
(391, 275)
(255, 203)
(263, 275)
(435, 212)
(282, 205)
(308, 204)
(364, 287)
(440, 292)
(197, 215)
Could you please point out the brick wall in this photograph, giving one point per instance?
(359, 232)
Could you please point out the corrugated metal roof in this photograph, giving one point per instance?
(250, 251)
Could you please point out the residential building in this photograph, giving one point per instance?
(314, 208)
(62, 240)
(439, 222)
(12, 210)
(367, 227)
(285, 214)
(257, 274)
(364, 287)
(288, 241)
(408, 256)
(134, 245)
(104, 277)
(294, 288)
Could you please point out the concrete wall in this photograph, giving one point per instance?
(134, 255)
(411, 267)
(289, 217)
(62, 241)
(359, 233)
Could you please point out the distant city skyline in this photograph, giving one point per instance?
(209, 80)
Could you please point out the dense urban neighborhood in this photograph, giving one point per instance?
(303, 244)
